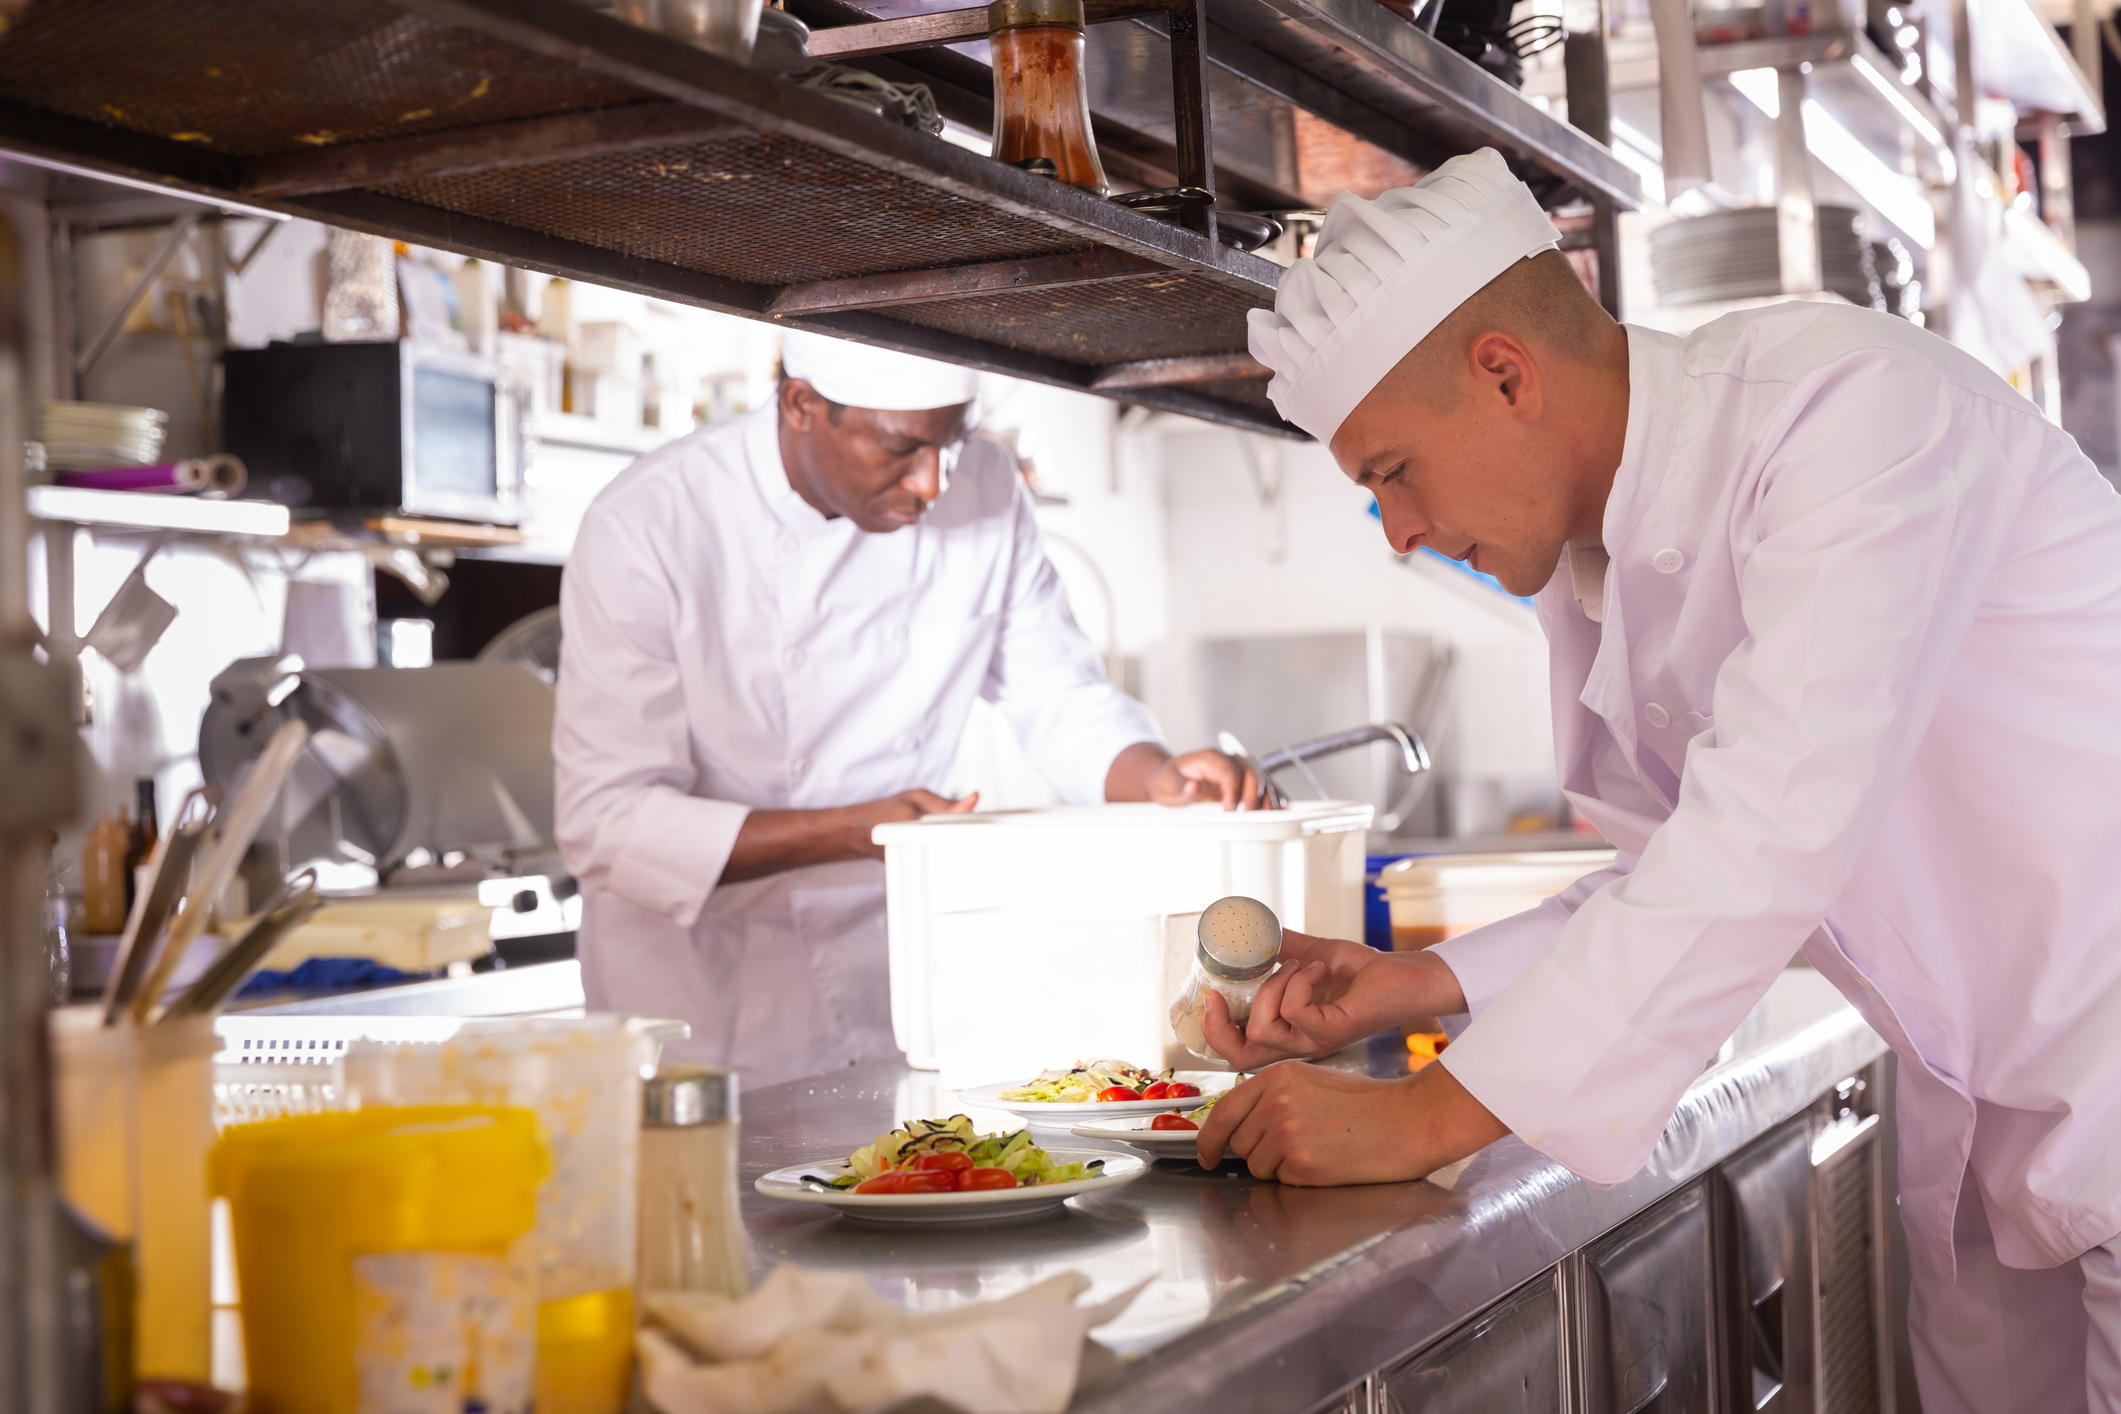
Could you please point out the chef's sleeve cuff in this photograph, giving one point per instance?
(675, 849)
(1487, 959)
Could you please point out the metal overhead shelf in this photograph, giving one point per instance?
(1855, 83)
(544, 134)
(2018, 55)
(1368, 54)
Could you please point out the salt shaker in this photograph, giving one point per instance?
(692, 1237)
(1236, 946)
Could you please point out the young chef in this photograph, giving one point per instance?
(774, 630)
(1835, 634)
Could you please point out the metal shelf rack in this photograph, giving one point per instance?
(544, 134)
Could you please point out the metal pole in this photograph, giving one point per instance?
(37, 763)
(1188, 22)
(1590, 99)
(1796, 212)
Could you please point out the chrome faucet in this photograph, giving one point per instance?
(1413, 755)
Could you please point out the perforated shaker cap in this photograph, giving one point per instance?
(1238, 938)
(680, 1096)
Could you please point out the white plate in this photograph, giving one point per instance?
(1163, 1143)
(985, 1206)
(1211, 1083)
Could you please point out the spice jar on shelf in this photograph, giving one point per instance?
(1041, 99)
(691, 1231)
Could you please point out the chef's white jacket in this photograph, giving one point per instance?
(725, 648)
(1857, 690)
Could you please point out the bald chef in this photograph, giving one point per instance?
(1834, 621)
(773, 632)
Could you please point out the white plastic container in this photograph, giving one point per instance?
(1444, 895)
(581, 1076)
(1024, 940)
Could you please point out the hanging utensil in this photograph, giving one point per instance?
(169, 872)
(290, 906)
(239, 824)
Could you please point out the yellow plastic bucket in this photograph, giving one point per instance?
(373, 1257)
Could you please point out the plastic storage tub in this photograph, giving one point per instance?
(1023, 940)
(378, 1256)
(1443, 895)
(581, 1077)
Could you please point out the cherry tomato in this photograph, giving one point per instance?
(1180, 1090)
(1157, 1091)
(1172, 1121)
(949, 1162)
(889, 1181)
(1118, 1092)
(930, 1181)
(972, 1180)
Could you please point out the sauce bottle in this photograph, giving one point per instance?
(1041, 99)
(103, 874)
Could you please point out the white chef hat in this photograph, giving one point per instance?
(1383, 274)
(863, 376)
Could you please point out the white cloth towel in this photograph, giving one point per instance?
(810, 1342)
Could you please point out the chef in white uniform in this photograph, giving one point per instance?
(1835, 628)
(773, 633)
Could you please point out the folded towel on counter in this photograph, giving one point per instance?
(811, 1342)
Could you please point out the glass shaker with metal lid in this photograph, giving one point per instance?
(692, 1237)
(1236, 947)
(1041, 99)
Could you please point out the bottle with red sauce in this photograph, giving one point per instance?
(1041, 100)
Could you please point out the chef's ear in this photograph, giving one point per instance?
(802, 406)
(1504, 364)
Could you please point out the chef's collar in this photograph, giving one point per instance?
(1656, 362)
(762, 449)
(1587, 566)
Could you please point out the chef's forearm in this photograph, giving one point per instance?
(775, 840)
(1132, 770)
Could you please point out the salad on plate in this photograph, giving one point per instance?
(950, 1156)
(1093, 1081)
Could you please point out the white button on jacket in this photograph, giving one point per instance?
(1902, 630)
(678, 714)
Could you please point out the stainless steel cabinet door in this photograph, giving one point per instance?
(1647, 1321)
(1771, 1338)
(1506, 1360)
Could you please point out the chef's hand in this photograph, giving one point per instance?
(1307, 1125)
(1206, 775)
(906, 805)
(1328, 994)
(772, 840)
(1145, 771)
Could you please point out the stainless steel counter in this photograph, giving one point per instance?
(1259, 1295)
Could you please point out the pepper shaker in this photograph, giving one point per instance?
(692, 1236)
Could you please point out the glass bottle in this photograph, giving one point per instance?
(103, 874)
(1041, 98)
(58, 949)
(147, 830)
(692, 1234)
(1236, 946)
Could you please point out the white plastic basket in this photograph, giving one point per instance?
(280, 1064)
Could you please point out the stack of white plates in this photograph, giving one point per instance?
(1732, 255)
(91, 436)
